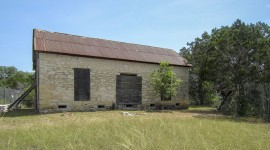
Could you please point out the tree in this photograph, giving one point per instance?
(10, 77)
(198, 55)
(164, 81)
(236, 60)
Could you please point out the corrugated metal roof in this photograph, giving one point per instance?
(53, 42)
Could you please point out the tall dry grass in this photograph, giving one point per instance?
(192, 129)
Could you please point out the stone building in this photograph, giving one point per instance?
(76, 73)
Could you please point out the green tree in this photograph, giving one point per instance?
(198, 55)
(236, 60)
(10, 77)
(164, 81)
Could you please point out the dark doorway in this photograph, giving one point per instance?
(128, 89)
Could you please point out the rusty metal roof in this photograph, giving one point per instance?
(53, 42)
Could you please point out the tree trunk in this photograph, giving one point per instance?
(226, 100)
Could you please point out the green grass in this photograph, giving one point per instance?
(197, 128)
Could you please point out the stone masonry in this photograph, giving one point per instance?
(56, 82)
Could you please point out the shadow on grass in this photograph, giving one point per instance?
(203, 111)
(159, 111)
(232, 118)
(212, 114)
(19, 113)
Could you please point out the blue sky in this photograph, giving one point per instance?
(161, 23)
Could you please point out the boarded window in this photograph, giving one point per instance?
(128, 89)
(81, 84)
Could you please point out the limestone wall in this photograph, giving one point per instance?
(56, 82)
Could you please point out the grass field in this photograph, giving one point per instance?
(196, 128)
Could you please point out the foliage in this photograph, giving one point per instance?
(211, 96)
(112, 130)
(164, 81)
(12, 78)
(232, 58)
